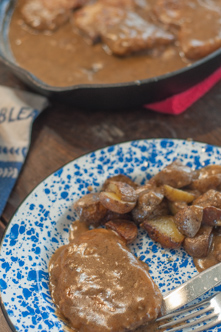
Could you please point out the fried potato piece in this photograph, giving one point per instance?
(207, 183)
(145, 188)
(125, 228)
(90, 210)
(208, 177)
(209, 170)
(211, 216)
(123, 190)
(175, 207)
(112, 202)
(111, 215)
(148, 204)
(119, 178)
(199, 245)
(160, 210)
(163, 230)
(210, 198)
(119, 197)
(175, 175)
(188, 220)
(174, 194)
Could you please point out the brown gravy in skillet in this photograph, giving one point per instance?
(63, 58)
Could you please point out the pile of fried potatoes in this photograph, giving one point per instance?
(177, 207)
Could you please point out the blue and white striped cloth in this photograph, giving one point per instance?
(18, 110)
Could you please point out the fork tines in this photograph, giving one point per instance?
(198, 317)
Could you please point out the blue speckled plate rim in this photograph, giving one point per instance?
(148, 140)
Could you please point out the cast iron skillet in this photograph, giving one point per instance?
(108, 96)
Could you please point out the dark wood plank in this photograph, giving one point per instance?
(62, 133)
(2, 229)
(4, 327)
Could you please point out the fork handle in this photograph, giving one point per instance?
(192, 289)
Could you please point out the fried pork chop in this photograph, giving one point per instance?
(201, 34)
(198, 23)
(133, 34)
(98, 285)
(121, 29)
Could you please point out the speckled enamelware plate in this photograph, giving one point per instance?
(42, 222)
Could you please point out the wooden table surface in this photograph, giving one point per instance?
(62, 133)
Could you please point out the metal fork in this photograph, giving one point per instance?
(199, 317)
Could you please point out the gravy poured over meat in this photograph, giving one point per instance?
(98, 285)
(106, 41)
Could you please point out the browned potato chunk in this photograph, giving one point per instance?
(188, 220)
(175, 195)
(90, 210)
(148, 202)
(123, 190)
(210, 198)
(145, 188)
(175, 207)
(205, 184)
(163, 230)
(209, 170)
(112, 202)
(119, 197)
(211, 216)
(140, 215)
(119, 178)
(176, 175)
(125, 228)
(114, 215)
(209, 177)
(199, 245)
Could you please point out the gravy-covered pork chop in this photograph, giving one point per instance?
(48, 15)
(124, 31)
(98, 285)
(92, 19)
(39, 17)
(199, 37)
(134, 34)
(198, 23)
(174, 12)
